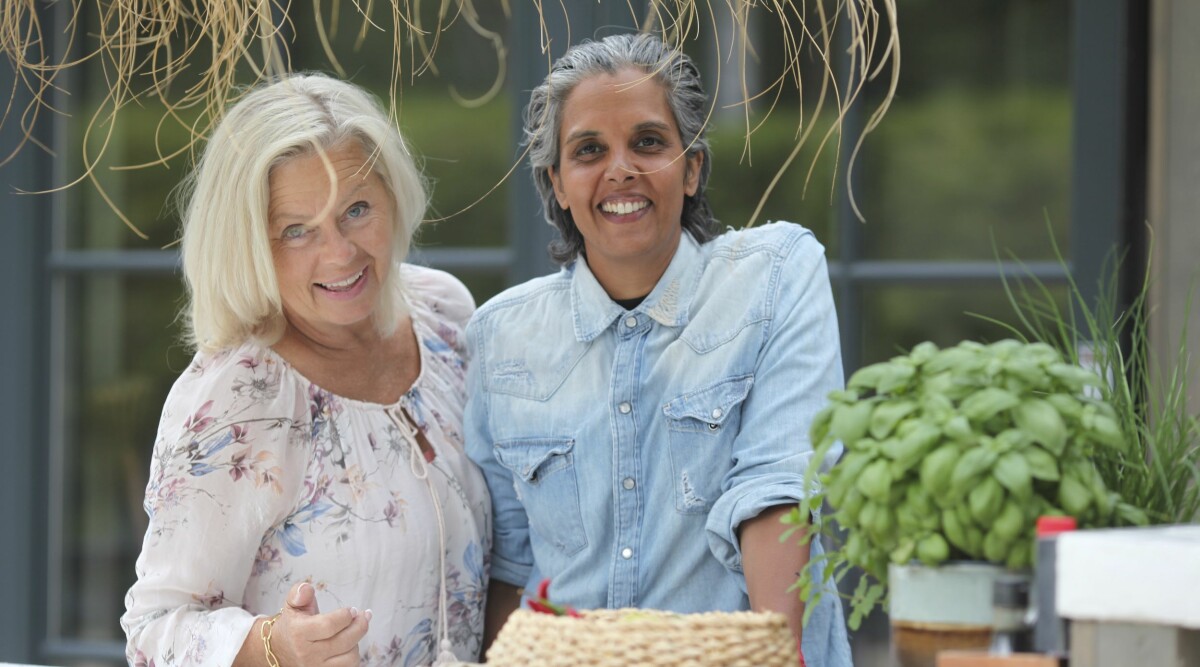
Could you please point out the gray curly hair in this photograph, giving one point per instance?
(685, 95)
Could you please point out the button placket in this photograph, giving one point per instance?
(630, 330)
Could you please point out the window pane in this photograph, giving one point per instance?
(465, 153)
(141, 195)
(738, 182)
(122, 357)
(464, 149)
(752, 142)
(897, 318)
(978, 140)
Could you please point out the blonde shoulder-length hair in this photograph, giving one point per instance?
(232, 291)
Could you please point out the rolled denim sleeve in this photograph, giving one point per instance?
(799, 364)
(512, 557)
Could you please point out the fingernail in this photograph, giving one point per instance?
(369, 614)
(296, 597)
(353, 612)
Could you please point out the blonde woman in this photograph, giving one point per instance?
(309, 498)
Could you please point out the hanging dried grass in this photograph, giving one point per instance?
(195, 57)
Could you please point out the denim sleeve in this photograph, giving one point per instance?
(799, 364)
(512, 557)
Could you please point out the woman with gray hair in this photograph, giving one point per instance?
(641, 417)
(310, 501)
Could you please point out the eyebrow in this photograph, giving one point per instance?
(652, 125)
(640, 127)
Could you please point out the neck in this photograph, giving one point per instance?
(630, 279)
(345, 343)
(622, 286)
(358, 363)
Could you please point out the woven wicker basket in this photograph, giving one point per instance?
(624, 637)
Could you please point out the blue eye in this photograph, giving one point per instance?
(293, 232)
(358, 210)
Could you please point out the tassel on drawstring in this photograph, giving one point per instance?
(445, 656)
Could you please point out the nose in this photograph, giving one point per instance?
(339, 248)
(620, 167)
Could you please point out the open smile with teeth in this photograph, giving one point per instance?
(623, 207)
(343, 285)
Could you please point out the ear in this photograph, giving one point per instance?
(691, 173)
(559, 193)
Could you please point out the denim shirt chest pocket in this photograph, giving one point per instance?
(544, 477)
(702, 425)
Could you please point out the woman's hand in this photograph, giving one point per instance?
(303, 636)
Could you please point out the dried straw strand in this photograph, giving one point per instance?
(195, 57)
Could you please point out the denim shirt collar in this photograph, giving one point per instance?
(594, 311)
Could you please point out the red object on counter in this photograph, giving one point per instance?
(1052, 525)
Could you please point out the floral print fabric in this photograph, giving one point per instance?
(261, 479)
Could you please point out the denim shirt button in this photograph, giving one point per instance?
(625, 408)
(628, 483)
(716, 414)
(631, 321)
(626, 553)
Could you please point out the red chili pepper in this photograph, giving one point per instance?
(543, 604)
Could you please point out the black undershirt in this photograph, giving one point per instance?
(630, 304)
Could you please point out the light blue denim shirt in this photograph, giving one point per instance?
(623, 448)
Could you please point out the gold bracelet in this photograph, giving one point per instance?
(265, 631)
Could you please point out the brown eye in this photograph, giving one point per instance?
(587, 149)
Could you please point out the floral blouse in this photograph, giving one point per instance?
(261, 479)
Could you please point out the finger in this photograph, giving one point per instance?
(303, 599)
(324, 626)
(349, 637)
(348, 659)
(306, 640)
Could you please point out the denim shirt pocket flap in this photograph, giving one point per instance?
(709, 407)
(531, 458)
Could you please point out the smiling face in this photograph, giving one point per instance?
(330, 261)
(622, 176)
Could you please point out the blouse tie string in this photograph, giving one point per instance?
(420, 470)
